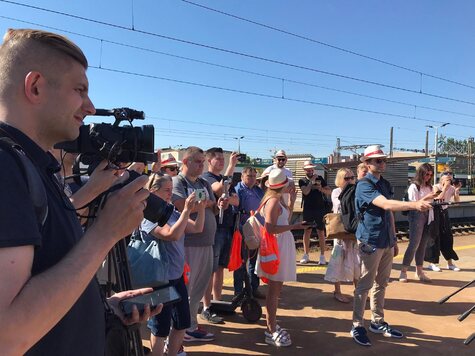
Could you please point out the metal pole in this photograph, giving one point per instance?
(435, 154)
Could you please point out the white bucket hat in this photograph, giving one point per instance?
(308, 165)
(168, 160)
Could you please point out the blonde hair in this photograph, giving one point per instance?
(274, 193)
(340, 176)
(156, 180)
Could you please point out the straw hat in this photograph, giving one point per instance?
(373, 151)
(277, 179)
(168, 160)
(308, 165)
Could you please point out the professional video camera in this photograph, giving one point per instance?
(118, 144)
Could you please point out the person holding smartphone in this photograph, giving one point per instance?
(177, 315)
(446, 191)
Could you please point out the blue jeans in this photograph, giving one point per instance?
(239, 274)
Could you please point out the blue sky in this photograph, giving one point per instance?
(433, 37)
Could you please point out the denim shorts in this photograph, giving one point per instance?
(178, 313)
(222, 247)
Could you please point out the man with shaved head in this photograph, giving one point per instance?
(50, 303)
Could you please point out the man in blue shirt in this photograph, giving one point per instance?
(250, 196)
(376, 235)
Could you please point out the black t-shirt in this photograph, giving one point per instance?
(82, 330)
(313, 200)
(228, 217)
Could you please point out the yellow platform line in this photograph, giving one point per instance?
(306, 269)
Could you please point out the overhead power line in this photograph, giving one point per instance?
(269, 95)
(274, 61)
(306, 38)
(280, 79)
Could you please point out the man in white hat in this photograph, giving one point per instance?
(377, 244)
(314, 192)
(169, 165)
(280, 159)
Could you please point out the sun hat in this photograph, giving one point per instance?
(168, 160)
(280, 153)
(373, 151)
(308, 165)
(277, 179)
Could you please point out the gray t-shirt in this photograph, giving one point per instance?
(175, 249)
(205, 238)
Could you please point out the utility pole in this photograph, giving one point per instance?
(427, 143)
(337, 151)
(436, 128)
(470, 164)
(239, 142)
(391, 142)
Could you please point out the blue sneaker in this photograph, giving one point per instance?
(198, 334)
(386, 330)
(359, 335)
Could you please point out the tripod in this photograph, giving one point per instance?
(465, 314)
(118, 266)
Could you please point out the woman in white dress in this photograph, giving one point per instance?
(344, 265)
(277, 215)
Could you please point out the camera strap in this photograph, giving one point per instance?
(32, 177)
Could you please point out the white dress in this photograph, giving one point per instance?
(287, 269)
(344, 264)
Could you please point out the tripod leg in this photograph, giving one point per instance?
(469, 339)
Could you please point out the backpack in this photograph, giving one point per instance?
(406, 198)
(32, 177)
(349, 217)
(252, 230)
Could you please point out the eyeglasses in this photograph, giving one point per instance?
(349, 178)
(281, 159)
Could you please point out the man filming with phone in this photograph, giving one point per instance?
(50, 303)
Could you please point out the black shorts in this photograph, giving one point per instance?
(178, 313)
(315, 216)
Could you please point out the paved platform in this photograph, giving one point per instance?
(319, 325)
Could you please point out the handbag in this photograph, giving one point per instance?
(252, 230)
(148, 260)
(335, 228)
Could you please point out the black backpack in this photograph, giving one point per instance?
(349, 216)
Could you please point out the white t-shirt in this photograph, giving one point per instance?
(415, 194)
(287, 171)
(448, 195)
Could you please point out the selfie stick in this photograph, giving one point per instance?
(224, 196)
(466, 313)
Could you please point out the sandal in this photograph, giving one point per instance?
(423, 278)
(341, 298)
(279, 338)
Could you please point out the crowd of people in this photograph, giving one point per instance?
(43, 101)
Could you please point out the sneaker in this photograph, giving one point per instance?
(181, 351)
(198, 334)
(359, 335)
(304, 259)
(386, 330)
(453, 268)
(322, 260)
(434, 267)
(210, 317)
(403, 277)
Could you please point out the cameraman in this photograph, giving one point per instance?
(50, 303)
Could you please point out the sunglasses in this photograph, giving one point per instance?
(367, 249)
(349, 178)
(282, 159)
(429, 174)
(447, 174)
(380, 160)
(173, 169)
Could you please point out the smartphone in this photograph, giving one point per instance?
(167, 295)
(200, 194)
(241, 157)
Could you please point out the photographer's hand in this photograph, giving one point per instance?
(157, 165)
(114, 300)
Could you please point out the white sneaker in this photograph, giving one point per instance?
(434, 267)
(453, 268)
(322, 260)
(304, 259)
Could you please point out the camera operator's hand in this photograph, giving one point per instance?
(223, 203)
(136, 317)
(138, 167)
(123, 211)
